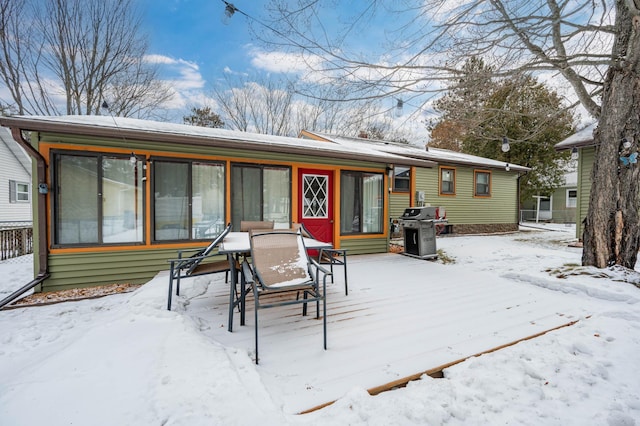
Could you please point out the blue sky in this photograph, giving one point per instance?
(193, 31)
(194, 47)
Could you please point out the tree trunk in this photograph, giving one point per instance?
(611, 229)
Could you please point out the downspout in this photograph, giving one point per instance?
(43, 255)
(518, 206)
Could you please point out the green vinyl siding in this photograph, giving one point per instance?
(560, 212)
(585, 168)
(398, 202)
(463, 207)
(365, 245)
(74, 270)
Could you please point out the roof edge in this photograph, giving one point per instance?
(60, 127)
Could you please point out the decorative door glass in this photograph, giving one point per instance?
(315, 192)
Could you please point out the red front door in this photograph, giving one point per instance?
(315, 205)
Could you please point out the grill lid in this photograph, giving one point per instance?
(420, 213)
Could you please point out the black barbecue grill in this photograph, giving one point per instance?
(419, 231)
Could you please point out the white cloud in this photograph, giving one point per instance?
(282, 62)
(183, 79)
(159, 59)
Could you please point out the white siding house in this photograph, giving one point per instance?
(15, 181)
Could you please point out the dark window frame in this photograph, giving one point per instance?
(261, 167)
(54, 178)
(360, 201)
(190, 162)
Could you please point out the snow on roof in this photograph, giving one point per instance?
(583, 137)
(434, 154)
(89, 124)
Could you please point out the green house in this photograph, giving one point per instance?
(114, 198)
(581, 145)
(479, 195)
(558, 206)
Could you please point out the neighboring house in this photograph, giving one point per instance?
(118, 196)
(479, 195)
(582, 141)
(557, 207)
(15, 181)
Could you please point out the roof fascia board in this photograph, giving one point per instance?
(185, 139)
(420, 155)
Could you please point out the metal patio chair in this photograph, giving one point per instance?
(196, 264)
(327, 256)
(281, 267)
(250, 225)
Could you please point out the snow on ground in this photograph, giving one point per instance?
(124, 360)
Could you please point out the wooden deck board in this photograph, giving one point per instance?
(408, 316)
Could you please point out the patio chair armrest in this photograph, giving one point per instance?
(192, 259)
(187, 251)
(186, 262)
(334, 251)
(320, 268)
(247, 272)
(330, 255)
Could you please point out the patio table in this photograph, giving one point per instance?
(237, 243)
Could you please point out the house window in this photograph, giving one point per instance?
(401, 179)
(447, 181)
(572, 198)
(18, 192)
(361, 202)
(98, 199)
(482, 183)
(260, 193)
(188, 200)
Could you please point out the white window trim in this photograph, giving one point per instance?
(575, 199)
(14, 193)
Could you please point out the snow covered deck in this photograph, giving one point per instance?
(403, 316)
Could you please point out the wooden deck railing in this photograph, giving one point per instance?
(15, 241)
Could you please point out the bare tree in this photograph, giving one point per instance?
(15, 40)
(275, 106)
(594, 46)
(82, 52)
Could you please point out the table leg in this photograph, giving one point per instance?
(232, 289)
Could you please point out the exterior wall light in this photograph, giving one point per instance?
(574, 153)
